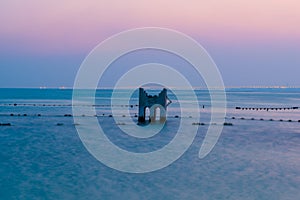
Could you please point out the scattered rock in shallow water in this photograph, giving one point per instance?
(5, 124)
(198, 123)
(227, 124)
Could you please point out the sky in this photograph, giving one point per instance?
(253, 43)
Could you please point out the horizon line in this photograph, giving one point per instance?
(196, 87)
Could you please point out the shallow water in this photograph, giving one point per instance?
(42, 156)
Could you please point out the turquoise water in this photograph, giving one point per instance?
(42, 156)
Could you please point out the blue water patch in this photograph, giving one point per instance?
(42, 156)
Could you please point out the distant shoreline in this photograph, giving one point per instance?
(200, 87)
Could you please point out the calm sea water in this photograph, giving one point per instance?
(42, 157)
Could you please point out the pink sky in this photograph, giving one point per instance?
(253, 42)
(79, 25)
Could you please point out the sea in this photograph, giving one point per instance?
(257, 155)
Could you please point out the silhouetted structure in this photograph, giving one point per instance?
(153, 103)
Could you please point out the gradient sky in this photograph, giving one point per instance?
(42, 43)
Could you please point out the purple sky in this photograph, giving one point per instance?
(42, 43)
